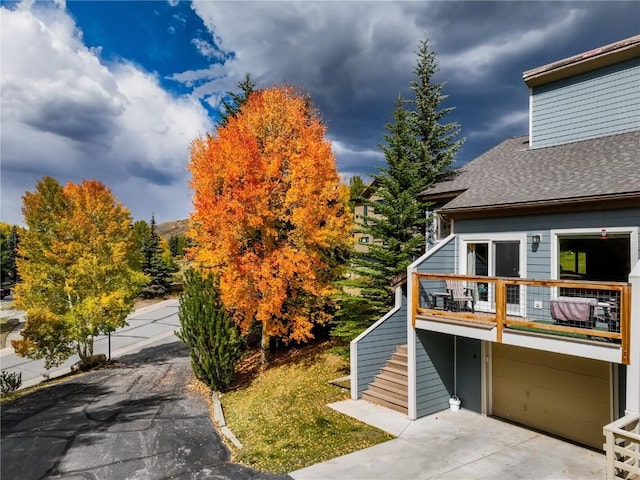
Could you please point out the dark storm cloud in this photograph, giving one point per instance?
(78, 121)
(151, 173)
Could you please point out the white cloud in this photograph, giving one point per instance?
(173, 3)
(208, 50)
(73, 117)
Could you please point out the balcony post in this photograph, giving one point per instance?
(501, 308)
(633, 367)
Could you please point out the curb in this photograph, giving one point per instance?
(222, 424)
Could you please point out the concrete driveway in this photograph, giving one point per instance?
(135, 419)
(455, 445)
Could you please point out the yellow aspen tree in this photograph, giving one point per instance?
(271, 216)
(75, 260)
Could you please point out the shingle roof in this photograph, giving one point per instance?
(512, 174)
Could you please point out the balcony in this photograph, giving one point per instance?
(597, 313)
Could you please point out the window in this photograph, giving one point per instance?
(364, 240)
(438, 227)
(594, 257)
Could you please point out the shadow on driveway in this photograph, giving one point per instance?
(133, 419)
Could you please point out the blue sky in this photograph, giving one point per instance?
(117, 90)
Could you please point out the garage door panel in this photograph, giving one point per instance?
(555, 380)
(551, 392)
(567, 363)
(522, 400)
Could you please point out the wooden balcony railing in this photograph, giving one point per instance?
(598, 311)
(622, 447)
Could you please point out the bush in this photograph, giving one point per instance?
(10, 381)
(213, 339)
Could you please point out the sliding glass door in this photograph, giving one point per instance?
(501, 257)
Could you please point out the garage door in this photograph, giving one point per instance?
(560, 394)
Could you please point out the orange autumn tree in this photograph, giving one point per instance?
(76, 263)
(271, 217)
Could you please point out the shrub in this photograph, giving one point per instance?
(10, 381)
(213, 339)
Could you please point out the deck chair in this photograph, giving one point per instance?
(460, 296)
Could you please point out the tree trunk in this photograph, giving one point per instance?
(264, 346)
(85, 351)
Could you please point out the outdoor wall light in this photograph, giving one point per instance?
(535, 240)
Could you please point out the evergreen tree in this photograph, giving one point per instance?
(438, 142)
(178, 245)
(206, 327)
(5, 268)
(231, 106)
(12, 246)
(153, 265)
(419, 150)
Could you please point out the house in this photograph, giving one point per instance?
(529, 309)
(363, 211)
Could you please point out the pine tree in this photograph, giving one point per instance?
(419, 150)
(438, 141)
(153, 265)
(231, 106)
(206, 327)
(12, 245)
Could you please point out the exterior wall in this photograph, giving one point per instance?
(539, 261)
(594, 104)
(360, 212)
(632, 386)
(435, 381)
(371, 349)
(442, 261)
(434, 372)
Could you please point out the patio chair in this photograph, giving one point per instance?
(461, 297)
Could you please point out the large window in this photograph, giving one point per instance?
(594, 257)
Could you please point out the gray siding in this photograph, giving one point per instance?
(435, 376)
(598, 103)
(538, 262)
(442, 261)
(434, 372)
(377, 347)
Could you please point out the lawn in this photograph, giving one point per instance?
(280, 414)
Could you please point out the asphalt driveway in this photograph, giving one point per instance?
(135, 419)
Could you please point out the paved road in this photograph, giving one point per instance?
(134, 419)
(147, 326)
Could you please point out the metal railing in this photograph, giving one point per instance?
(597, 311)
(622, 448)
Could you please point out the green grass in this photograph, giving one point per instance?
(568, 262)
(282, 419)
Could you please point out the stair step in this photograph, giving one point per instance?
(402, 349)
(391, 372)
(402, 367)
(393, 392)
(391, 382)
(400, 357)
(385, 401)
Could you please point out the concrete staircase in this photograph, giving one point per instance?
(390, 387)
